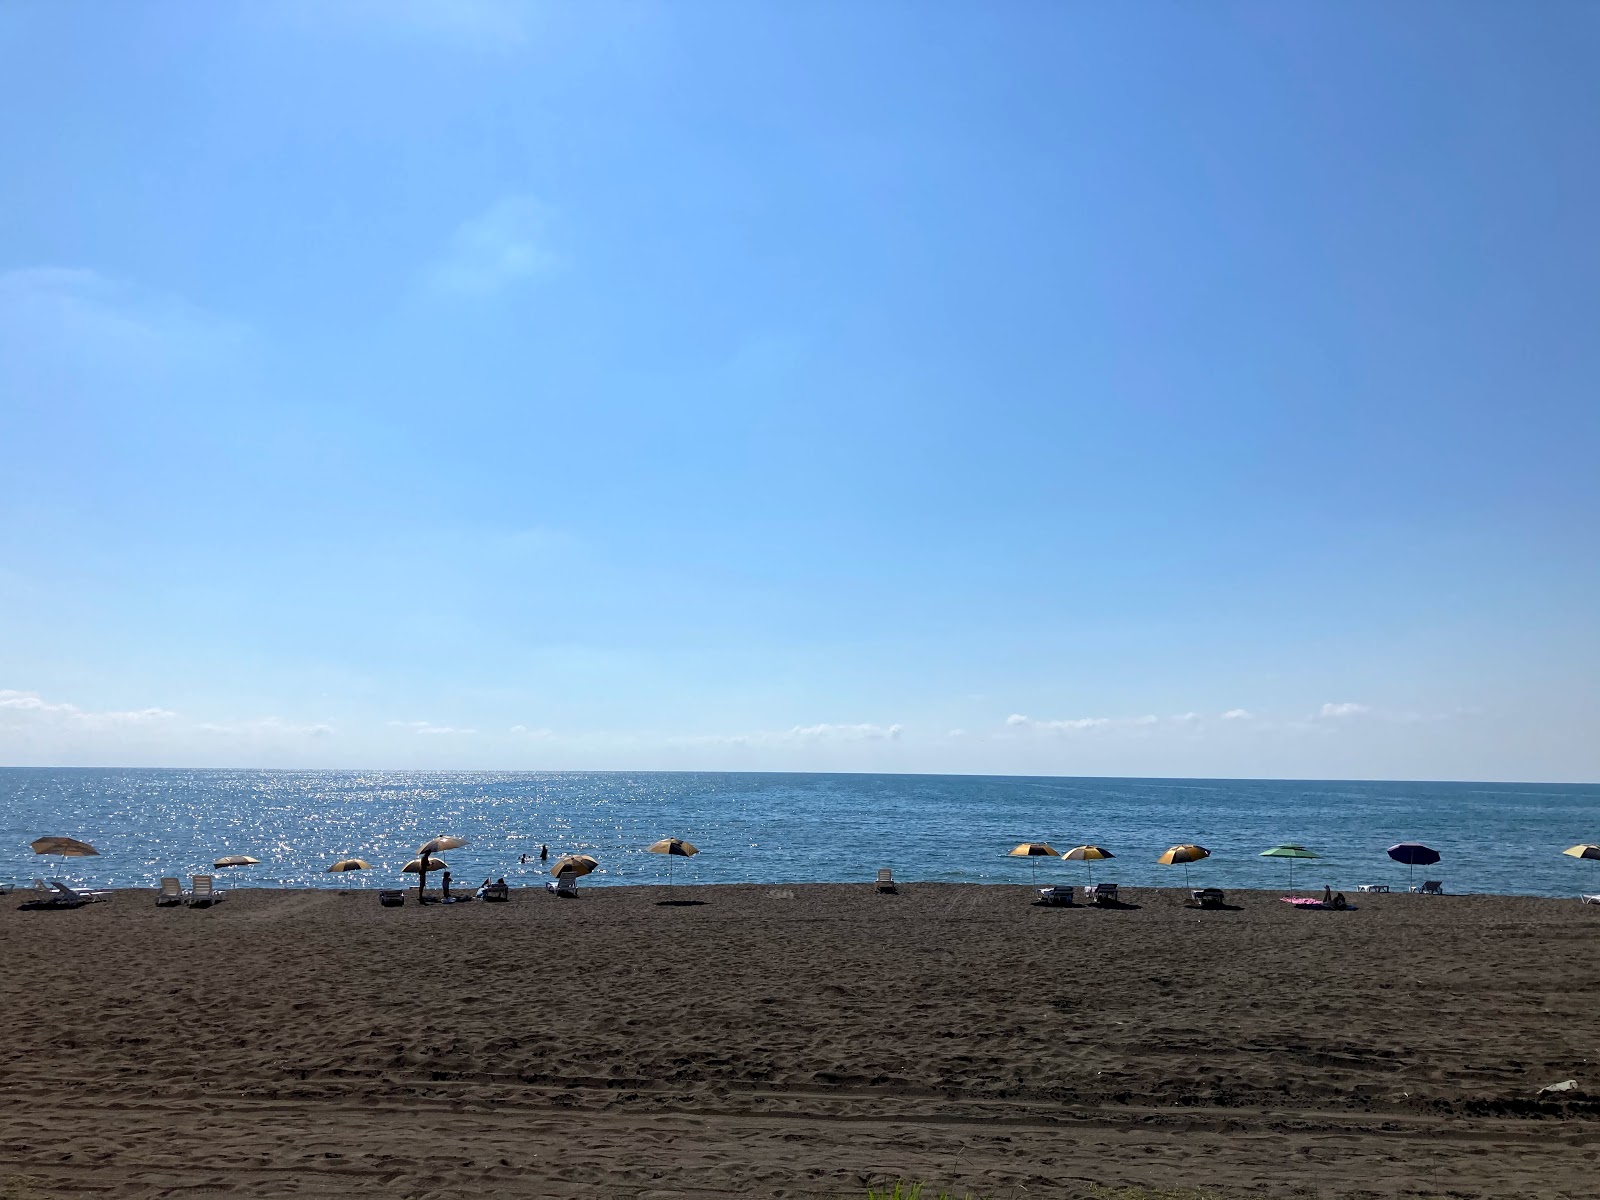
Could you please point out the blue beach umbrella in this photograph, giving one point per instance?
(1414, 855)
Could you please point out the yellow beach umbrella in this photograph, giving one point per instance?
(415, 866)
(351, 864)
(1184, 854)
(236, 860)
(1584, 851)
(443, 842)
(1088, 856)
(574, 864)
(673, 848)
(1034, 850)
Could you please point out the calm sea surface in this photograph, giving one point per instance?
(790, 828)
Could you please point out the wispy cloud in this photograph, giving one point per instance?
(1346, 709)
(265, 727)
(532, 735)
(429, 729)
(506, 243)
(32, 706)
(800, 735)
(1080, 724)
(1238, 714)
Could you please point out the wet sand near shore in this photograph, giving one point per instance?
(799, 1040)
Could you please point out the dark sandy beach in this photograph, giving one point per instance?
(799, 1041)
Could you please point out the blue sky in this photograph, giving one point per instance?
(1133, 389)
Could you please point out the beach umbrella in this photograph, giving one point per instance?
(1414, 855)
(673, 848)
(236, 860)
(1184, 854)
(418, 866)
(425, 861)
(1034, 850)
(1586, 851)
(574, 864)
(66, 847)
(1291, 851)
(1088, 856)
(351, 864)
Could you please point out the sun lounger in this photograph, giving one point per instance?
(391, 897)
(1594, 899)
(171, 892)
(204, 892)
(886, 881)
(1372, 887)
(1430, 887)
(42, 895)
(1100, 893)
(1058, 895)
(1208, 897)
(565, 885)
(497, 892)
(82, 895)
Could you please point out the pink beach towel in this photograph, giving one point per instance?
(1308, 902)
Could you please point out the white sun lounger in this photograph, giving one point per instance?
(171, 892)
(81, 895)
(1594, 899)
(563, 885)
(886, 881)
(204, 892)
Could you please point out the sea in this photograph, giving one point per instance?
(791, 828)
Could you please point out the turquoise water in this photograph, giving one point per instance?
(790, 828)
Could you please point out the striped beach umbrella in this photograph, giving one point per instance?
(673, 848)
(1583, 851)
(236, 860)
(1184, 854)
(351, 864)
(1035, 851)
(574, 864)
(1088, 856)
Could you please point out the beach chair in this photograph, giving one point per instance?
(171, 892)
(563, 885)
(80, 895)
(886, 881)
(1430, 887)
(1208, 897)
(391, 897)
(42, 895)
(1100, 893)
(499, 893)
(1058, 895)
(204, 892)
(1594, 899)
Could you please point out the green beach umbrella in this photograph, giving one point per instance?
(1290, 851)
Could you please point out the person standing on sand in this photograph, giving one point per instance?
(445, 886)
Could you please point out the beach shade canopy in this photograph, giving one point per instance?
(1291, 851)
(1586, 851)
(1184, 855)
(1413, 854)
(64, 846)
(674, 846)
(414, 867)
(574, 864)
(443, 842)
(236, 860)
(351, 864)
(1034, 850)
(1088, 856)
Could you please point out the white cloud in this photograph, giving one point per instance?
(1347, 709)
(500, 246)
(265, 727)
(30, 705)
(956, 733)
(1238, 714)
(429, 729)
(800, 735)
(536, 735)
